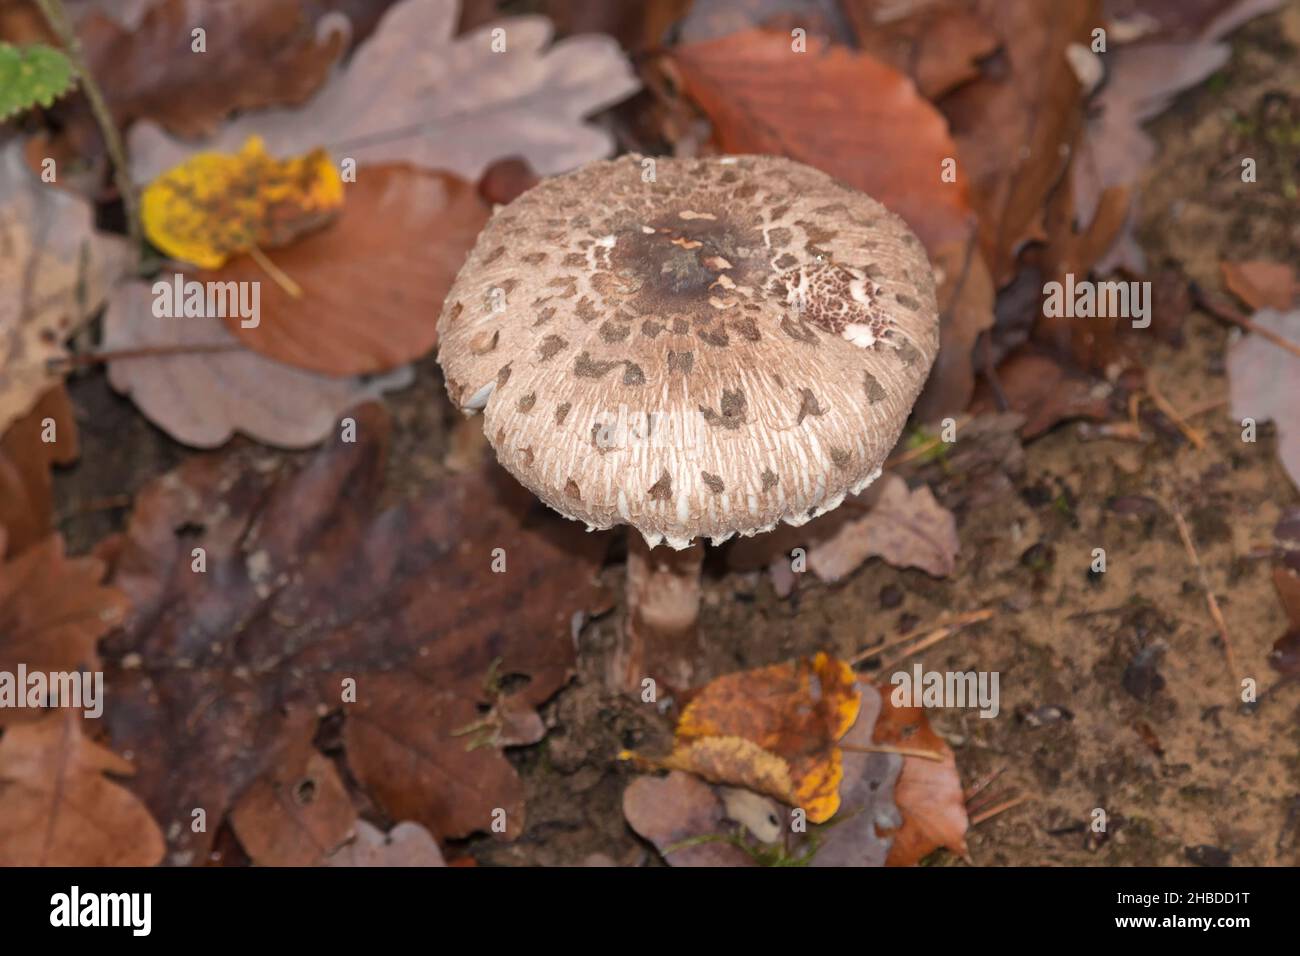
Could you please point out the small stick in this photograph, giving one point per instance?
(976, 787)
(1204, 407)
(57, 18)
(960, 621)
(1165, 406)
(888, 749)
(936, 636)
(1210, 601)
(1227, 314)
(278, 275)
(1000, 808)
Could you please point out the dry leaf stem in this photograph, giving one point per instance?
(57, 17)
(1210, 601)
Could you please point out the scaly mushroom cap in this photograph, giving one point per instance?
(692, 347)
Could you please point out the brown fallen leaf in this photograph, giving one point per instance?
(1261, 284)
(684, 819)
(1041, 389)
(859, 120)
(407, 844)
(57, 807)
(929, 793)
(55, 270)
(53, 610)
(395, 618)
(257, 54)
(908, 529)
(1014, 128)
(194, 380)
(454, 106)
(966, 298)
(1074, 251)
(939, 44)
(772, 730)
(26, 487)
(372, 282)
(298, 812)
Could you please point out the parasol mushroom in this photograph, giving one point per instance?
(693, 347)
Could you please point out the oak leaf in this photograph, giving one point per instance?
(906, 528)
(323, 589)
(53, 610)
(57, 807)
(454, 104)
(194, 380)
(55, 270)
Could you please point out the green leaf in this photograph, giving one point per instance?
(31, 75)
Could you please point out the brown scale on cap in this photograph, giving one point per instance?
(746, 334)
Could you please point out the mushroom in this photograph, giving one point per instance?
(696, 348)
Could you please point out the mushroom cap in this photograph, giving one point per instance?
(694, 347)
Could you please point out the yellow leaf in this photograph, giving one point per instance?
(773, 730)
(215, 205)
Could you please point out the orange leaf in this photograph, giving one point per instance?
(929, 793)
(856, 119)
(773, 730)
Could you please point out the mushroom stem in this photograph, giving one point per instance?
(660, 639)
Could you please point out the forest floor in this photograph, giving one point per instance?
(1116, 691)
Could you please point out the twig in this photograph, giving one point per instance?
(1201, 409)
(57, 18)
(1228, 314)
(1210, 600)
(889, 749)
(1000, 808)
(951, 627)
(1165, 406)
(278, 275)
(979, 785)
